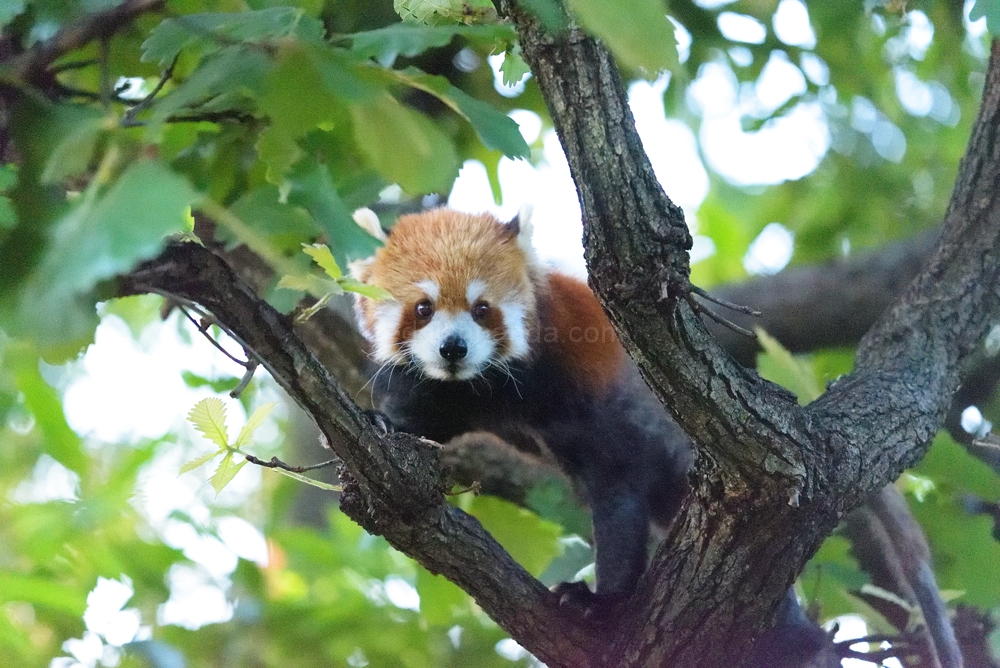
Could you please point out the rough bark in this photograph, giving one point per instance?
(392, 483)
(772, 479)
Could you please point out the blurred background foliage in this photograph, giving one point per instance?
(277, 119)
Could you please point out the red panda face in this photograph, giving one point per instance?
(462, 294)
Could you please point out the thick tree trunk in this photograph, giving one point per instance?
(772, 479)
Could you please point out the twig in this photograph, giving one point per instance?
(746, 310)
(30, 65)
(701, 308)
(251, 366)
(475, 488)
(128, 119)
(276, 463)
(206, 322)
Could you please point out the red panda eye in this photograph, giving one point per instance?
(480, 310)
(424, 309)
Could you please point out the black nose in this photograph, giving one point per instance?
(454, 348)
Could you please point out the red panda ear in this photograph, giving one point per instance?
(512, 228)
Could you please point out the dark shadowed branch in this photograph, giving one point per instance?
(392, 483)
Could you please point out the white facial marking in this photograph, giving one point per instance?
(426, 346)
(430, 288)
(513, 319)
(387, 317)
(474, 291)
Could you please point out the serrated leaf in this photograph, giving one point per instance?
(403, 145)
(195, 463)
(100, 238)
(408, 40)
(209, 417)
(365, 290)
(321, 255)
(226, 472)
(513, 68)
(637, 31)
(304, 283)
(253, 422)
(212, 30)
(989, 9)
(432, 12)
(496, 130)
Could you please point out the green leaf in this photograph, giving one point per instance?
(496, 130)
(72, 155)
(513, 68)
(403, 145)
(305, 283)
(309, 481)
(637, 31)
(9, 9)
(965, 552)
(8, 216)
(210, 31)
(432, 12)
(548, 12)
(195, 463)
(830, 576)
(532, 541)
(991, 10)
(321, 255)
(253, 422)
(8, 177)
(103, 236)
(365, 290)
(223, 82)
(408, 40)
(312, 188)
(780, 366)
(226, 472)
(209, 417)
(296, 77)
(43, 402)
(42, 591)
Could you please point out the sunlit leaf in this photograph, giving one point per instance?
(209, 417)
(513, 68)
(497, 131)
(321, 255)
(780, 366)
(637, 31)
(405, 146)
(212, 30)
(365, 290)
(226, 472)
(195, 463)
(255, 420)
(532, 541)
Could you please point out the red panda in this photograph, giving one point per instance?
(479, 336)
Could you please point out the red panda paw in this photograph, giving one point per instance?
(599, 608)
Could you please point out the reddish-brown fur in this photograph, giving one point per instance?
(578, 331)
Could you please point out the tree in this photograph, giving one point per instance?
(95, 176)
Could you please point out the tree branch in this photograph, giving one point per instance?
(765, 467)
(392, 483)
(30, 66)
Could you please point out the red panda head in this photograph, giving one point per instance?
(463, 294)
